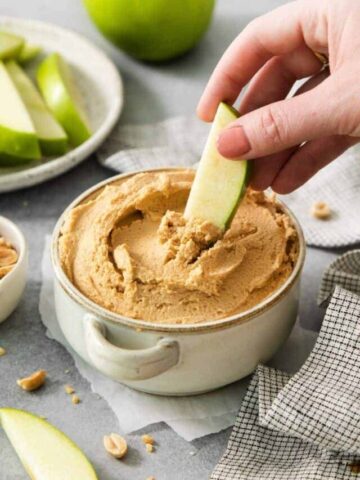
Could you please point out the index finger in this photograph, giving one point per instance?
(276, 33)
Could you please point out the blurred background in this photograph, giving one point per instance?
(153, 91)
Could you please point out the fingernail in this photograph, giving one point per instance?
(233, 142)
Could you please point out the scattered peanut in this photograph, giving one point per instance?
(149, 447)
(75, 399)
(33, 382)
(147, 439)
(151, 478)
(115, 445)
(321, 210)
(2, 351)
(69, 389)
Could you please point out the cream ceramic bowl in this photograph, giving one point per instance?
(174, 359)
(13, 284)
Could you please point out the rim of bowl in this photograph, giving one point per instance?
(142, 325)
(21, 250)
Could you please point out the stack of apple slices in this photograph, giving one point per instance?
(34, 123)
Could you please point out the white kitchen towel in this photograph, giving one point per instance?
(172, 143)
(190, 417)
(179, 142)
(306, 426)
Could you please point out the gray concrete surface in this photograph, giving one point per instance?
(149, 96)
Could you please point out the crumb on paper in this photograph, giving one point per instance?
(69, 389)
(75, 399)
(149, 447)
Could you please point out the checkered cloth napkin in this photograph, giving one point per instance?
(179, 142)
(306, 426)
(344, 271)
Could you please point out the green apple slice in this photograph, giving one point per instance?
(45, 452)
(60, 93)
(18, 140)
(51, 135)
(28, 52)
(10, 45)
(219, 183)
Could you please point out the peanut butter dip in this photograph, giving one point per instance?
(130, 250)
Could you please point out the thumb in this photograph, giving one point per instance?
(281, 125)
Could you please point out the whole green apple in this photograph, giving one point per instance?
(152, 30)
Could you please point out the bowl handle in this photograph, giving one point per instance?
(122, 364)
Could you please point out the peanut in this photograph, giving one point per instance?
(5, 270)
(33, 382)
(115, 445)
(75, 399)
(321, 210)
(69, 389)
(2, 351)
(4, 243)
(8, 256)
(147, 439)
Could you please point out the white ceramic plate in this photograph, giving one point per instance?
(98, 81)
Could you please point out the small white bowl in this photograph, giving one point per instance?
(13, 284)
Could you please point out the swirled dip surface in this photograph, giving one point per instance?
(131, 251)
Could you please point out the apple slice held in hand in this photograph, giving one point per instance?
(45, 452)
(59, 91)
(10, 45)
(219, 183)
(51, 135)
(18, 140)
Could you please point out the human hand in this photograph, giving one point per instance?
(289, 140)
